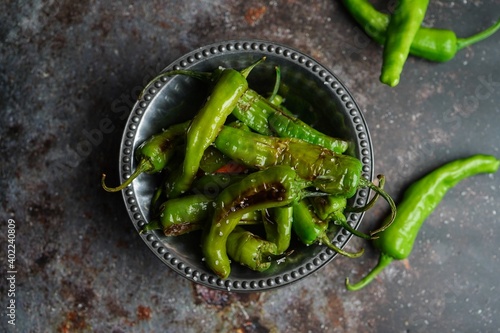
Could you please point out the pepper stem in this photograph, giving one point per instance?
(387, 197)
(144, 166)
(340, 219)
(381, 183)
(464, 42)
(383, 261)
(246, 71)
(325, 240)
(276, 84)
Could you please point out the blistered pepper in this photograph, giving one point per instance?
(275, 186)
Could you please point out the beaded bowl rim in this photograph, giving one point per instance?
(139, 217)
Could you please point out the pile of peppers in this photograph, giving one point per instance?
(251, 177)
(401, 33)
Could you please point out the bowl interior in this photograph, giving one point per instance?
(310, 91)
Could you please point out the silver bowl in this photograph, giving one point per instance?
(330, 108)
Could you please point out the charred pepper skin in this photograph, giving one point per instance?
(419, 201)
(330, 172)
(276, 186)
(278, 226)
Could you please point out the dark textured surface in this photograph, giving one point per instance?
(69, 73)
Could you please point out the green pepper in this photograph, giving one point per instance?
(310, 229)
(188, 213)
(278, 226)
(253, 110)
(331, 209)
(206, 125)
(276, 186)
(153, 154)
(250, 250)
(403, 26)
(433, 44)
(290, 127)
(181, 215)
(329, 172)
(419, 201)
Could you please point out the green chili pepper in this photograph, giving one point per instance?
(403, 26)
(419, 201)
(206, 125)
(276, 186)
(331, 209)
(188, 213)
(291, 127)
(331, 173)
(310, 229)
(250, 250)
(153, 154)
(253, 110)
(438, 45)
(179, 216)
(278, 226)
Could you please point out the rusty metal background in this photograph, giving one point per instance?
(69, 75)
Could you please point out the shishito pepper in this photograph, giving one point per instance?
(433, 44)
(331, 173)
(310, 229)
(278, 226)
(419, 201)
(153, 154)
(276, 186)
(250, 250)
(207, 123)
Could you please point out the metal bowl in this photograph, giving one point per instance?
(329, 107)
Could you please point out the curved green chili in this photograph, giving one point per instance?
(276, 186)
(153, 154)
(419, 201)
(310, 229)
(433, 44)
(329, 172)
(206, 125)
(290, 127)
(278, 226)
(188, 213)
(250, 250)
(403, 26)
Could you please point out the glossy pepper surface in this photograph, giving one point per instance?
(276, 186)
(310, 229)
(403, 26)
(206, 125)
(250, 250)
(433, 44)
(330, 172)
(419, 201)
(153, 154)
